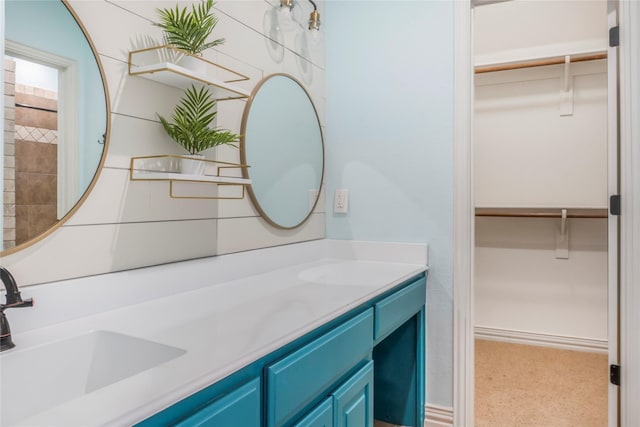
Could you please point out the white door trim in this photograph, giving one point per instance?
(612, 222)
(463, 221)
(629, 19)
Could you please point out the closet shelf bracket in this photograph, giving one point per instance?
(562, 237)
(566, 94)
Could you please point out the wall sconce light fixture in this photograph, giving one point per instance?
(288, 18)
(314, 18)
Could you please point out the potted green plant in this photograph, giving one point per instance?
(190, 128)
(188, 30)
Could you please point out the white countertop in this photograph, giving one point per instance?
(222, 328)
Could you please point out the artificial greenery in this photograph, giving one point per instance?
(188, 30)
(191, 120)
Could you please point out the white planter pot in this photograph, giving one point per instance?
(192, 164)
(194, 64)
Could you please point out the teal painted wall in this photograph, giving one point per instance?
(389, 140)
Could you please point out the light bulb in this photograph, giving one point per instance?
(316, 37)
(314, 21)
(286, 18)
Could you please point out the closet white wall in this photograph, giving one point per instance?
(528, 154)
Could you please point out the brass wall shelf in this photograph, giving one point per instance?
(166, 65)
(165, 168)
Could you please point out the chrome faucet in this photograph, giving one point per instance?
(14, 300)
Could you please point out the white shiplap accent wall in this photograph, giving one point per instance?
(124, 224)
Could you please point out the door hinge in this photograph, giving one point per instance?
(614, 374)
(614, 36)
(614, 204)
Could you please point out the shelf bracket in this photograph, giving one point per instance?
(566, 94)
(164, 168)
(174, 195)
(562, 237)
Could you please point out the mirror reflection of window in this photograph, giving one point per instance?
(31, 174)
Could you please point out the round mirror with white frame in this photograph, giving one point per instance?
(283, 145)
(56, 123)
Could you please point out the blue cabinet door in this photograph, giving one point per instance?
(298, 379)
(241, 407)
(321, 416)
(353, 400)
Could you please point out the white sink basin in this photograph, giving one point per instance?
(43, 377)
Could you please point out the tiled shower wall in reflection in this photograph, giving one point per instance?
(9, 175)
(36, 163)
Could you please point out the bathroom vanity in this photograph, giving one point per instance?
(330, 376)
(317, 333)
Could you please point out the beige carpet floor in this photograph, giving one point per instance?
(521, 385)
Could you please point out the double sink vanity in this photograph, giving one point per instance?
(320, 333)
(310, 334)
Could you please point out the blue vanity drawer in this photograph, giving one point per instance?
(241, 407)
(293, 382)
(396, 309)
(321, 416)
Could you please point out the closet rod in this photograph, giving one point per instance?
(522, 214)
(538, 63)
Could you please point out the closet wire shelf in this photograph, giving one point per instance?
(166, 168)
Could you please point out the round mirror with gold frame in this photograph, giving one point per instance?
(57, 117)
(283, 144)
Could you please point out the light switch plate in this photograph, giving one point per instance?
(341, 201)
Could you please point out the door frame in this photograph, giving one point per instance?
(463, 218)
(463, 237)
(629, 21)
(68, 136)
(613, 223)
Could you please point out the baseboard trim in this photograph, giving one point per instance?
(438, 416)
(544, 340)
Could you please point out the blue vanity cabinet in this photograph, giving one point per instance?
(396, 309)
(367, 363)
(399, 355)
(321, 416)
(295, 381)
(239, 408)
(353, 400)
(349, 405)
(230, 403)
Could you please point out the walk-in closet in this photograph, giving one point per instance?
(542, 176)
